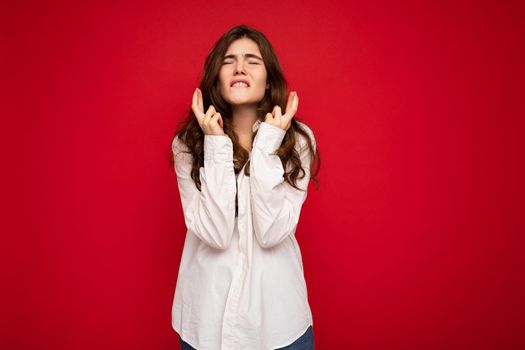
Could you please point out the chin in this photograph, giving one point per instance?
(241, 101)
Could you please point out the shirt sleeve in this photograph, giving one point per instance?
(276, 204)
(209, 213)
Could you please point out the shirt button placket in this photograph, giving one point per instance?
(232, 305)
(229, 333)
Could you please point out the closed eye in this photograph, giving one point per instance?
(248, 62)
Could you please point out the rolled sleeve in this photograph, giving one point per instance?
(273, 137)
(218, 148)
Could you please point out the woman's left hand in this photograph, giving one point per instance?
(284, 121)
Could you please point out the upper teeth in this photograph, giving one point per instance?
(240, 83)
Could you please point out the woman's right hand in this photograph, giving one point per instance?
(211, 122)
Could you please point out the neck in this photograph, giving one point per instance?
(243, 118)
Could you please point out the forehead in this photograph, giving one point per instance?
(243, 46)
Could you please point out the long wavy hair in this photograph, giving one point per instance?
(191, 134)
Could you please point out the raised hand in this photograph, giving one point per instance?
(283, 121)
(211, 122)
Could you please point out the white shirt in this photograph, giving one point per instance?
(241, 283)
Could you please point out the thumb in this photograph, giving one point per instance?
(220, 121)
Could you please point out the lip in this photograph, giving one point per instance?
(240, 80)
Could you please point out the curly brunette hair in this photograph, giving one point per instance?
(192, 136)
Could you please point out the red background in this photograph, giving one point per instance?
(413, 241)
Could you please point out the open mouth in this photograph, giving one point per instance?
(240, 85)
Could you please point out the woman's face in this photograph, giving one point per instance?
(243, 61)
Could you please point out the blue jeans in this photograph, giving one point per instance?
(304, 342)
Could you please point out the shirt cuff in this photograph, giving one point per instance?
(269, 137)
(218, 148)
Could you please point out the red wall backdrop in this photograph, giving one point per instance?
(413, 241)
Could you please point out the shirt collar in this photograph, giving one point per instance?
(256, 125)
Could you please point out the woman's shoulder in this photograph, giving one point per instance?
(309, 132)
(178, 145)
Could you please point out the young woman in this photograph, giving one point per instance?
(241, 284)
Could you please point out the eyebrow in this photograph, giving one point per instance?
(249, 55)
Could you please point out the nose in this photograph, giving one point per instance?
(239, 67)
